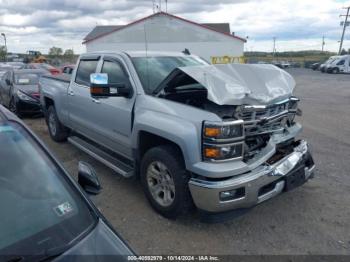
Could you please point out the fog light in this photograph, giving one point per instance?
(232, 194)
(227, 195)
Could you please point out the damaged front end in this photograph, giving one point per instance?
(251, 154)
(253, 100)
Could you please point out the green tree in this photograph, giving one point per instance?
(69, 53)
(3, 52)
(55, 51)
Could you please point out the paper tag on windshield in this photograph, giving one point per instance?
(23, 81)
(63, 209)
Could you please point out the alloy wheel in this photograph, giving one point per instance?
(160, 183)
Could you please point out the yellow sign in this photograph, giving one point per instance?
(227, 59)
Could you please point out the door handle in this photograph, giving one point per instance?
(96, 101)
(71, 93)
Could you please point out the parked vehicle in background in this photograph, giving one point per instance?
(340, 65)
(221, 136)
(15, 65)
(329, 61)
(315, 66)
(19, 91)
(53, 70)
(48, 216)
(285, 64)
(68, 69)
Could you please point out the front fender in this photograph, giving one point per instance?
(177, 130)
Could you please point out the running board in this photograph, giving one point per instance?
(105, 158)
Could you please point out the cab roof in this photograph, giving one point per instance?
(138, 53)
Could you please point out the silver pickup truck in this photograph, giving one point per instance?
(220, 138)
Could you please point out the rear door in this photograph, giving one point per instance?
(113, 115)
(81, 117)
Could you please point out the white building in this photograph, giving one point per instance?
(166, 32)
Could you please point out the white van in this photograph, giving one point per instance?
(341, 65)
(328, 62)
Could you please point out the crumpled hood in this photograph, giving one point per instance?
(236, 84)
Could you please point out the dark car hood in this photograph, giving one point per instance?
(100, 245)
(28, 89)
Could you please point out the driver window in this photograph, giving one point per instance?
(341, 62)
(115, 72)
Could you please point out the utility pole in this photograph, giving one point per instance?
(166, 6)
(3, 34)
(344, 28)
(274, 46)
(323, 43)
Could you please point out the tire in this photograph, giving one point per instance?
(335, 71)
(171, 180)
(58, 132)
(13, 108)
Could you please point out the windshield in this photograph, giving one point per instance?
(40, 209)
(153, 70)
(26, 79)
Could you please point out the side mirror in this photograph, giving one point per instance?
(88, 179)
(100, 86)
(8, 82)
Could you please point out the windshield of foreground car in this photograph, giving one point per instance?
(153, 70)
(26, 79)
(40, 209)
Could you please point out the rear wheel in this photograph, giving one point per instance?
(165, 181)
(58, 132)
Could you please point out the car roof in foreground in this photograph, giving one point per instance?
(6, 115)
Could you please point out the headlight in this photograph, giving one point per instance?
(222, 152)
(223, 131)
(222, 141)
(23, 96)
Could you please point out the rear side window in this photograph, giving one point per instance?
(114, 70)
(85, 68)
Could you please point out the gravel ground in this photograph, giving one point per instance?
(313, 219)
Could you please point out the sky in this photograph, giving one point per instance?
(296, 24)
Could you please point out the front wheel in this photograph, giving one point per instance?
(13, 107)
(335, 71)
(165, 181)
(57, 130)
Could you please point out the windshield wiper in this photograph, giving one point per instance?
(15, 259)
(52, 253)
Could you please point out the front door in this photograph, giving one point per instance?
(114, 121)
(81, 118)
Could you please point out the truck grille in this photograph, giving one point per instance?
(260, 120)
(251, 114)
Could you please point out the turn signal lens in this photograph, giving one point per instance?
(212, 131)
(222, 152)
(211, 153)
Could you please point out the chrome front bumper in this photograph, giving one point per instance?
(259, 185)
